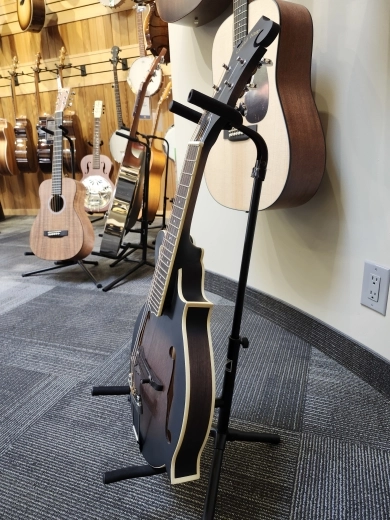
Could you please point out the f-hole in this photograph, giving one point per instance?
(172, 355)
(56, 203)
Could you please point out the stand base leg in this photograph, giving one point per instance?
(131, 472)
(123, 276)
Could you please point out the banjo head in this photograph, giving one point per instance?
(139, 70)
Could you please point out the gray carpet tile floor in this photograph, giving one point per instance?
(60, 335)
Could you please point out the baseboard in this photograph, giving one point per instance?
(357, 358)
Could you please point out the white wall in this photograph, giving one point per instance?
(312, 257)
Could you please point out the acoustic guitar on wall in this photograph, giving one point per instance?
(172, 381)
(7, 154)
(96, 169)
(279, 104)
(61, 230)
(191, 12)
(31, 14)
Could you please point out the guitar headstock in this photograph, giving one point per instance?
(98, 109)
(38, 58)
(15, 62)
(243, 63)
(115, 55)
(62, 99)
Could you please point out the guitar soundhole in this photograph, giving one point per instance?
(56, 203)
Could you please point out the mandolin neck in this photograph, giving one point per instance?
(57, 155)
(240, 17)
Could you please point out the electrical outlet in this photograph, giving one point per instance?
(376, 280)
(374, 286)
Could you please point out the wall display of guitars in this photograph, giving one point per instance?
(140, 67)
(191, 12)
(118, 144)
(280, 106)
(45, 139)
(127, 201)
(96, 169)
(31, 14)
(25, 153)
(62, 230)
(172, 382)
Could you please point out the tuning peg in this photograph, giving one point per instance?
(217, 89)
(225, 66)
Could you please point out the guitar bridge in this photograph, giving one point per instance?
(235, 135)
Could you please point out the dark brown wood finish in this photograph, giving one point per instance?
(293, 73)
(31, 14)
(191, 12)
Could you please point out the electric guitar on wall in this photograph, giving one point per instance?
(31, 14)
(117, 143)
(45, 139)
(140, 67)
(172, 382)
(127, 202)
(24, 147)
(61, 230)
(280, 106)
(96, 170)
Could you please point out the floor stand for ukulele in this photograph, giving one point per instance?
(129, 248)
(65, 263)
(221, 432)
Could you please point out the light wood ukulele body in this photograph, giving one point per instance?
(290, 126)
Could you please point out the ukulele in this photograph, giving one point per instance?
(280, 105)
(96, 170)
(31, 14)
(140, 67)
(172, 381)
(117, 144)
(24, 147)
(127, 201)
(158, 161)
(61, 230)
(45, 140)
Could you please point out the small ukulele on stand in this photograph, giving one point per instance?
(45, 139)
(96, 169)
(118, 144)
(129, 191)
(24, 147)
(62, 230)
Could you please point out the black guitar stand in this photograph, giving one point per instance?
(129, 248)
(65, 263)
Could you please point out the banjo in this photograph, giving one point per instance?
(140, 67)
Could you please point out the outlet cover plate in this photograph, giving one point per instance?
(384, 272)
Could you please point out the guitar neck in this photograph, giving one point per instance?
(57, 155)
(180, 219)
(117, 98)
(240, 17)
(140, 31)
(13, 94)
(37, 98)
(96, 144)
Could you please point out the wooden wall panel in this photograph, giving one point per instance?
(87, 30)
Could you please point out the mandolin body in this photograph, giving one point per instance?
(31, 14)
(174, 423)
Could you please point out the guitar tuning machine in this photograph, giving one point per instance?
(216, 88)
(265, 61)
(226, 66)
(241, 60)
